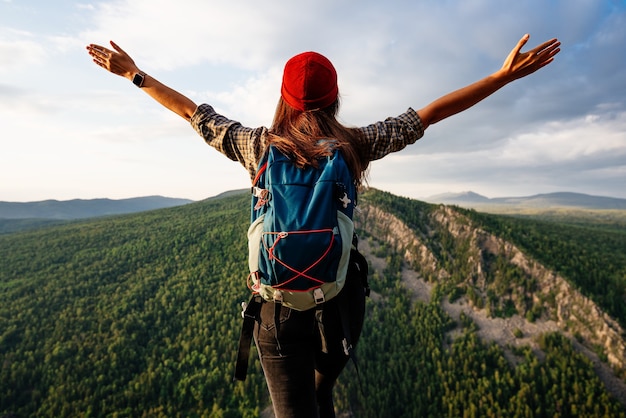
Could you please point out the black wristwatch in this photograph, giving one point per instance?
(138, 79)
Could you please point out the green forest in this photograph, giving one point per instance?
(139, 316)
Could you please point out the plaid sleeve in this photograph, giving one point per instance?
(393, 134)
(229, 137)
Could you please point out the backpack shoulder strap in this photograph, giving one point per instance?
(250, 315)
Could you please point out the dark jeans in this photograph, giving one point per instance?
(299, 375)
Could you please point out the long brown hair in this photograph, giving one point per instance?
(301, 135)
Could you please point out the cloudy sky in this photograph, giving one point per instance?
(69, 129)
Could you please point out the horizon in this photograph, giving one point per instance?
(243, 190)
(69, 128)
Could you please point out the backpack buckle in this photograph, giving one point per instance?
(346, 347)
(318, 296)
(254, 281)
(262, 195)
(244, 306)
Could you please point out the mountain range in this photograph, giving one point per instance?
(80, 208)
(538, 201)
(90, 208)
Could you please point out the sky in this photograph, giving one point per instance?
(71, 130)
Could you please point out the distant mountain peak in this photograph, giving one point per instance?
(467, 196)
(538, 201)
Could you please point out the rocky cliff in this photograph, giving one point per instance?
(495, 282)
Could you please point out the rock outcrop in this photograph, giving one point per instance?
(538, 294)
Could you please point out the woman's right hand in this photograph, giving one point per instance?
(116, 61)
(119, 62)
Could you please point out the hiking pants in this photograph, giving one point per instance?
(299, 368)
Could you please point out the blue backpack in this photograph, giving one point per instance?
(301, 231)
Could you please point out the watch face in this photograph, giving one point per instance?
(138, 80)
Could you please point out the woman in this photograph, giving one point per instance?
(300, 375)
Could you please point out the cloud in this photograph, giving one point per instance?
(571, 155)
(401, 59)
(18, 50)
(192, 31)
(563, 142)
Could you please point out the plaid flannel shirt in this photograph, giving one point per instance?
(247, 145)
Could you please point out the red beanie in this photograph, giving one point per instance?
(309, 82)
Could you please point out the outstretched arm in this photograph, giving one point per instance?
(119, 62)
(517, 65)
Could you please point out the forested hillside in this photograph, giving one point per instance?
(138, 315)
